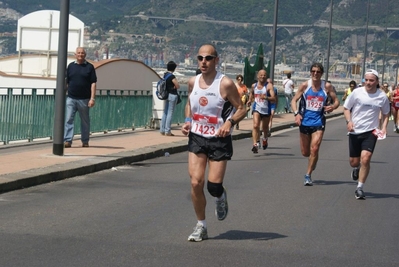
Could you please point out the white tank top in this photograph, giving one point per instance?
(208, 108)
(261, 105)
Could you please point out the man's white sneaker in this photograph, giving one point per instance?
(200, 233)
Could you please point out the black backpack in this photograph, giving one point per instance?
(162, 92)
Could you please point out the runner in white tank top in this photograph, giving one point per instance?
(260, 109)
(208, 124)
(209, 110)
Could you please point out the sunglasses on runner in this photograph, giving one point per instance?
(315, 71)
(207, 58)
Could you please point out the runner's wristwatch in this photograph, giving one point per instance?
(233, 122)
(296, 113)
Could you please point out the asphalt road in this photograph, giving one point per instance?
(141, 214)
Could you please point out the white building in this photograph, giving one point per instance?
(35, 65)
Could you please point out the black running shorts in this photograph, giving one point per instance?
(359, 142)
(308, 130)
(216, 148)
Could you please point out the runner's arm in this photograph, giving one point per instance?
(229, 92)
(272, 97)
(333, 95)
(297, 96)
(185, 129)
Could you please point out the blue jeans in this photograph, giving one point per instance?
(168, 110)
(81, 106)
(288, 98)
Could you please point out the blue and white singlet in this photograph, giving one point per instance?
(260, 105)
(311, 105)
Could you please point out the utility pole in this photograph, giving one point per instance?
(365, 39)
(59, 110)
(329, 41)
(272, 63)
(385, 51)
(397, 69)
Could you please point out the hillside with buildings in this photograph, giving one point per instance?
(157, 31)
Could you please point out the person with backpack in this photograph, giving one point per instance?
(172, 85)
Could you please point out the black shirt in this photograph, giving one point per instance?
(170, 85)
(79, 78)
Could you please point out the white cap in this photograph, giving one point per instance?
(371, 71)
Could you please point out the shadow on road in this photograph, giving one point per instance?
(380, 195)
(245, 235)
(324, 182)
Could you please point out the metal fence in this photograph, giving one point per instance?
(28, 114)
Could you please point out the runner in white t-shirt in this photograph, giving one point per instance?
(361, 110)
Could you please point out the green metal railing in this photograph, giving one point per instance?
(28, 114)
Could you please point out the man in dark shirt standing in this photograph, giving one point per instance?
(81, 83)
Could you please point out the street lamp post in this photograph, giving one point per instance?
(329, 41)
(59, 112)
(385, 50)
(365, 39)
(397, 69)
(273, 59)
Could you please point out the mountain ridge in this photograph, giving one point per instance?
(178, 40)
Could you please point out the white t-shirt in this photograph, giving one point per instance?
(365, 109)
(288, 84)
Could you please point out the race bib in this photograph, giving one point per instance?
(314, 103)
(259, 98)
(204, 125)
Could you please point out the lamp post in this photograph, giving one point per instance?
(59, 110)
(397, 69)
(365, 39)
(272, 63)
(385, 50)
(329, 41)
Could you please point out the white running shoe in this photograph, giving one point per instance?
(200, 233)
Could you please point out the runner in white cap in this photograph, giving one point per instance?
(361, 112)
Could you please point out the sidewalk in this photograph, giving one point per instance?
(21, 168)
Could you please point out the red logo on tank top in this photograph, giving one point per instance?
(203, 101)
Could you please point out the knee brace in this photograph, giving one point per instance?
(215, 189)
